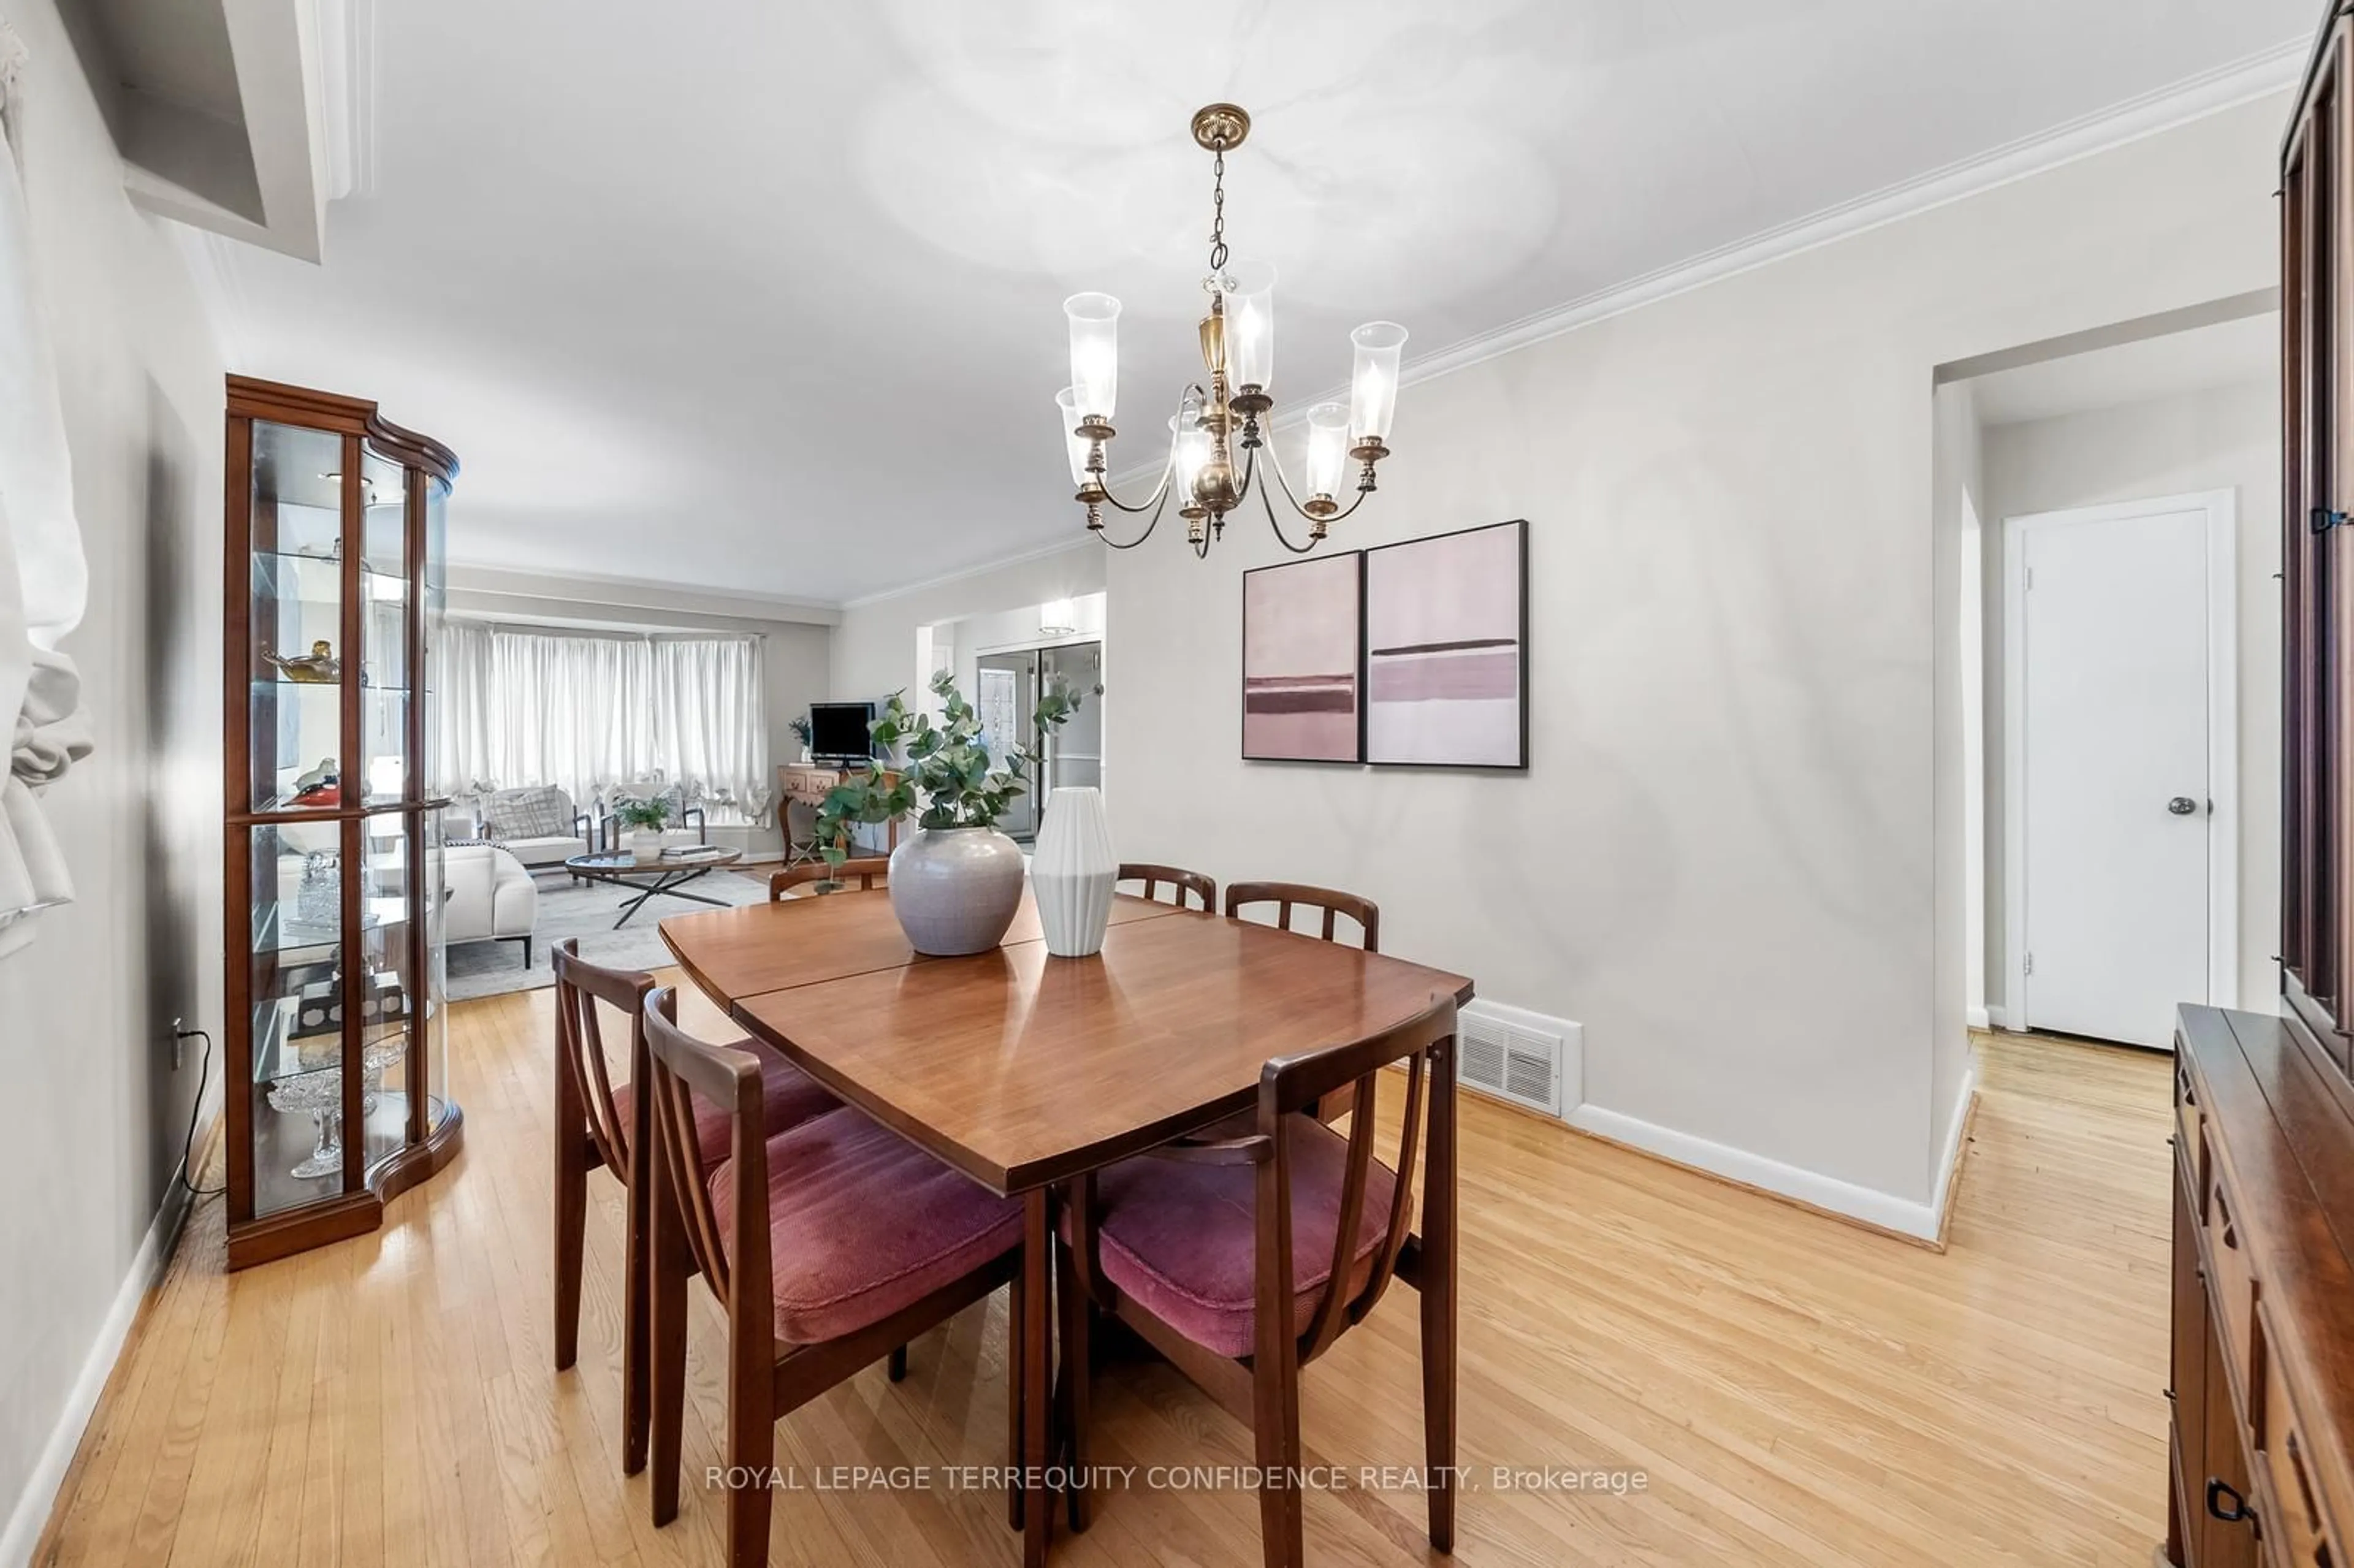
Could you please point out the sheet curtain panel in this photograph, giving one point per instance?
(589, 713)
(44, 581)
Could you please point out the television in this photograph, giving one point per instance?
(841, 732)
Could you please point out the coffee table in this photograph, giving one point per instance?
(665, 876)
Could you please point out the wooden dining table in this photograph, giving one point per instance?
(1025, 1071)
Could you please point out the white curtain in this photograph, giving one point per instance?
(587, 712)
(44, 582)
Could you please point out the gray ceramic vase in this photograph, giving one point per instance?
(956, 890)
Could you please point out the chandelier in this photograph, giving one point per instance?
(1216, 437)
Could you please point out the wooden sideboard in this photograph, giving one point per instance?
(2263, 1385)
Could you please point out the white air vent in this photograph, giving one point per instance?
(1523, 1058)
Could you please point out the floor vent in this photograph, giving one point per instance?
(1518, 1056)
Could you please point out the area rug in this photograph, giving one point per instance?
(587, 911)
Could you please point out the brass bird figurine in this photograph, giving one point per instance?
(317, 668)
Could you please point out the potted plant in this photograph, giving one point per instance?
(803, 730)
(956, 881)
(646, 819)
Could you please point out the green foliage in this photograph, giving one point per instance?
(801, 729)
(652, 816)
(946, 766)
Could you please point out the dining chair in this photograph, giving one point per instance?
(828, 1244)
(1331, 903)
(599, 1122)
(871, 870)
(1243, 1259)
(1181, 882)
(1286, 896)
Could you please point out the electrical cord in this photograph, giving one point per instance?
(195, 1107)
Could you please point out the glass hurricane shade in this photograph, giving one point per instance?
(1095, 352)
(1189, 450)
(1074, 446)
(1372, 387)
(1327, 448)
(1250, 324)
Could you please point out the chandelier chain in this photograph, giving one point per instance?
(1218, 210)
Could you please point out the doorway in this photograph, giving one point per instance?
(1008, 684)
(2120, 730)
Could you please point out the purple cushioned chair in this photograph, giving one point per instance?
(599, 1123)
(1243, 1258)
(828, 1244)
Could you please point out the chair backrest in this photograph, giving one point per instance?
(1289, 1085)
(1285, 895)
(1181, 882)
(580, 1043)
(870, 871)
(679, 1068)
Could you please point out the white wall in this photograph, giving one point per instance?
(876, 646)
(1958, 487)
(97, 1112)
(2225, 439)
(1724, 858)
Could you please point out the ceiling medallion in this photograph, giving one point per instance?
(1216, 435)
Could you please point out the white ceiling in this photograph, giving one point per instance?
(765, 296)
(2244, 353)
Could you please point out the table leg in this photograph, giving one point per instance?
(634, 905)
(1037, 1307)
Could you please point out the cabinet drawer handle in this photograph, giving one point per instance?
(2304, 1486)
(2223, 1213)
(2217, 1489)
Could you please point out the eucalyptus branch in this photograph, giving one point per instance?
(944, 772)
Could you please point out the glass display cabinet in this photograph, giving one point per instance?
(337, 1065)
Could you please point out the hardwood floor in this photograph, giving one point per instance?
(1790, 1390)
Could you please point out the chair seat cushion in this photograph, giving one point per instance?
(789, 1096)
(1179, 1238)
(863, 1224)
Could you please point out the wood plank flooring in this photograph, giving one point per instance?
(1790, 1390)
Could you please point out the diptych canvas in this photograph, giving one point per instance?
(1300, 638)
(1446, 627)
(1412, 654)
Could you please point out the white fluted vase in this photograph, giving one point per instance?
(1072, 870)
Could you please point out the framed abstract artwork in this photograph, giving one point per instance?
(1302, 638)
(1447, 650)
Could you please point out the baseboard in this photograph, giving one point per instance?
(1910, 1222)
(1950, 1151)
(1994, 1018)
(29, 1520)
(1977, 1018)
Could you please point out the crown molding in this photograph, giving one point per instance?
(633, 593)
(1067, 547)
(2152, 113)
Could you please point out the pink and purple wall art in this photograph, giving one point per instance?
(1300, 645)
(1445, 632)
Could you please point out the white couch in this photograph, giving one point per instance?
(488, 897)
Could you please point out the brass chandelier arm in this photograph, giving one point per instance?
(1149, 503)
(1159, 507)
(1285, 480)
(1266, 503)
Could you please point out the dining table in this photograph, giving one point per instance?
(1026, 1071)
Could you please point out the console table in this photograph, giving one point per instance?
(807, 784)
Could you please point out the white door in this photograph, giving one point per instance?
(2114, 745)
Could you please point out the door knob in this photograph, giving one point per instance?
(2183, 805)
